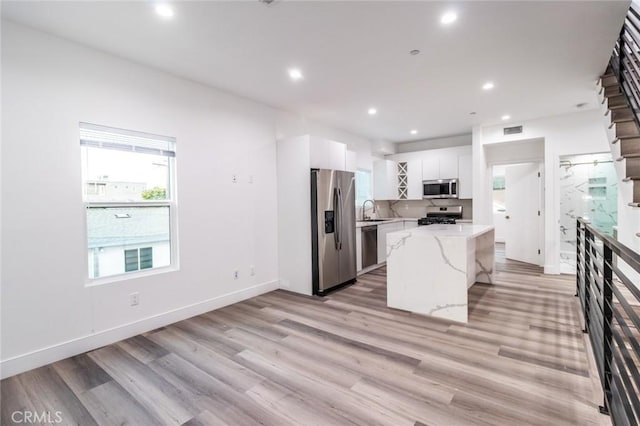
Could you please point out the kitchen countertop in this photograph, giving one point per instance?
(360, 224)
(459, 230)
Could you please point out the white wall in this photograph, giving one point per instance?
(48, 86)
(294, 214)
(577, 133)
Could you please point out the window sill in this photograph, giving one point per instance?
(93, 282)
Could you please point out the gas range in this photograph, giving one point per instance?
(436, 220)
(441, 215)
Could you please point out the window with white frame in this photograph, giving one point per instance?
(128, 191)
(363, 186)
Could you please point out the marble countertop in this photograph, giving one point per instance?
(360, 224)
(459, 230)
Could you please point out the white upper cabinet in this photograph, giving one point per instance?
(448, 165)
(442, 163)
(430, 167)
(414, 180)
(337, 155)
(351, 163)
(385, 180)
(440, 166)
(327, 154)
(465, 179)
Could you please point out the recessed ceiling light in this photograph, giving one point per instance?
(472, 113)
(164, 10)
(488, 85)
(506, 117)
(414, 52)
(448, 18)
(372, 111)
(295, 74)
(414, 132)
(581, 105)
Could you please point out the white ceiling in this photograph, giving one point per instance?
(544, 57)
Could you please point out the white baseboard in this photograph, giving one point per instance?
(44, 356)
(552, 269)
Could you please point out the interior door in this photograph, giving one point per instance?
(523, 213)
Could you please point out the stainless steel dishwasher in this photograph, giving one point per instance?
(369, 245)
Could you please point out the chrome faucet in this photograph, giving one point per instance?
(373, 204)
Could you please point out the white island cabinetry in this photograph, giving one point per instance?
(430, 268)
(383, 230)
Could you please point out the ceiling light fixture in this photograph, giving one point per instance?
(506, 117)
(488, 85)
(164, 10)
(372, 111)
(414, 132)
(295, 74)
(448, 18)
(414, 52)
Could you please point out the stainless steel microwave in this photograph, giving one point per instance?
(441, 188)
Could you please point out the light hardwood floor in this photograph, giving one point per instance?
(285, 359)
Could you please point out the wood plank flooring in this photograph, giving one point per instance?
(286, 359)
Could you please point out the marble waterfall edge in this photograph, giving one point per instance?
(429, 269)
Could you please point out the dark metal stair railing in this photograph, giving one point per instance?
(610, 303)
(625, 60)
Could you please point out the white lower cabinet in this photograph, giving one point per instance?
(383, 230)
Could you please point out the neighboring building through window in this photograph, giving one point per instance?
(135, 259)
(130, 203)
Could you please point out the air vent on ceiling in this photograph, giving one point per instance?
(512, 130)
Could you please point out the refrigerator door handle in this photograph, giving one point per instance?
(338, 208)
(340, 218)
(336, 218)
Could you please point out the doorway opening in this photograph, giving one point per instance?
(518, 213)
(588, 189)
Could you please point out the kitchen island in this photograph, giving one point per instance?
(430, 268)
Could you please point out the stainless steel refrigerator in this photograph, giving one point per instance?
(333, 229)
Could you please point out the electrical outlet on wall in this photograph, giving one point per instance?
(234, 178)
(134, 299)
(236, 275)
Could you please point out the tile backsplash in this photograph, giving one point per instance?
(416, 208)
